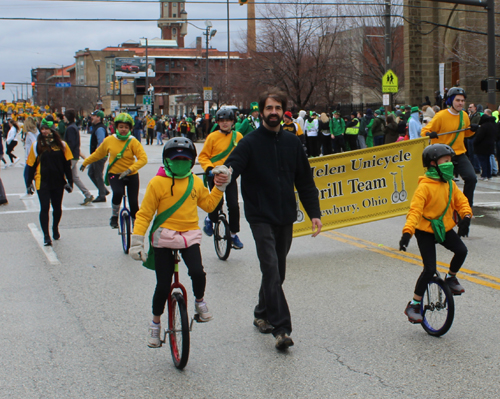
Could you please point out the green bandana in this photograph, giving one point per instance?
(446, 170)
(177, 168)
(46, 123)
(122, 137)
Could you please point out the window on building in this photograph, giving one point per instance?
(173, 64)
(174, 31)
(174, 5)
(174, 15)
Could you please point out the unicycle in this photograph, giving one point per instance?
(402, 194)
(125, 225)
(178, 322)
(437, 307)
(222, 236)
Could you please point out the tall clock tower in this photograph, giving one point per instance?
(173, 21)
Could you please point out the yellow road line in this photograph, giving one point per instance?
(465, 274)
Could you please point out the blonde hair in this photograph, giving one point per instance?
(324, 117)
(30, 125)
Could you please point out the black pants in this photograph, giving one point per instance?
(427, 246)
(10, 148)
(96, 173)
(273, 243)
(47, 197)
(326, 144)
(465, 170)
(164, 268)
(338, 144)
(118, 188)
(313, 145)
(233, 207)
(149, 138)
(352, 140)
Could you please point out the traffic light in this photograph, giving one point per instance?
(111, 85)
(243, 2)
(498, 84)
(484, 85)
(117, 84)
(32, 85)
(3, 85)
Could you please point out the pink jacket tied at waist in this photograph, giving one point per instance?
(166, 238)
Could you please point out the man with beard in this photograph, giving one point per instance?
(216, 149)
(273, 165)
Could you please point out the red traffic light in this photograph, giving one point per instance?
(3, 85)
(32, 84)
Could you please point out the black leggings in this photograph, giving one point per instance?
(427, 246)
(10, 148)
(118, 187)
(47, 197)
(164, 268)
(233, 207)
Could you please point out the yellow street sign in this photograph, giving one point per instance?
(389, 82)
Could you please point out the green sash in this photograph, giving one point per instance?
(160, 219)
(437, 224)
(119, 156)
(460, 124)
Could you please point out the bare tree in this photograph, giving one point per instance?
(297, 54)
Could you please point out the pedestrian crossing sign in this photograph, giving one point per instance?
(389, 82)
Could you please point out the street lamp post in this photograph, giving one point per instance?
(98, 79)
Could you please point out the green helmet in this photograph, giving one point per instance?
(124, 118)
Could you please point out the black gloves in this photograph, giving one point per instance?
(432, 135)
(463, 227)
(82, 168)
(30, 190)
(405, 240)
(208, 172)
(68, 187)
(474, 127)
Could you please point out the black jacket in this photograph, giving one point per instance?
(93, 137)
(270, 164)
(73, 140)
(485, 138)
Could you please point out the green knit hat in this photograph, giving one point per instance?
(414, 109)
(254, 107)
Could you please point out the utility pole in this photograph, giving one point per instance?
(147, 74)
(388, 45)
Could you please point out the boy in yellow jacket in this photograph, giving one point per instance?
(174, 195)
(218, 145)
(433, 200)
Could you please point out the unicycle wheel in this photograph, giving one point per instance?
(178, 332)
(125, 231)
(437, 308)
(222, 238)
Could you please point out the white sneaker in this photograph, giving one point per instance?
(27, 197)
(16, 161)
(154, 331)
(201, 309)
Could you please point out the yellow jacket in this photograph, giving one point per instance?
(430, 200)
(158, 198)
(151, 123)
(32, 156)
(112, 145)
(445, 121)
(216, 143)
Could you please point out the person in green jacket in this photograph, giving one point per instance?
(337, 129)
(378, 128)
(252, 122)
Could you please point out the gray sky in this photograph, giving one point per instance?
(28, 44)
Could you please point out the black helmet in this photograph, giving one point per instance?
(434, 152)
(224, 113)
(179, 145)
(456, 90)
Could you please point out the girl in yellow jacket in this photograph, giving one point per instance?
(174, 195)
(127, 156)
(433, 200)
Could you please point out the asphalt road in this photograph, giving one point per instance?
(74, 321)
